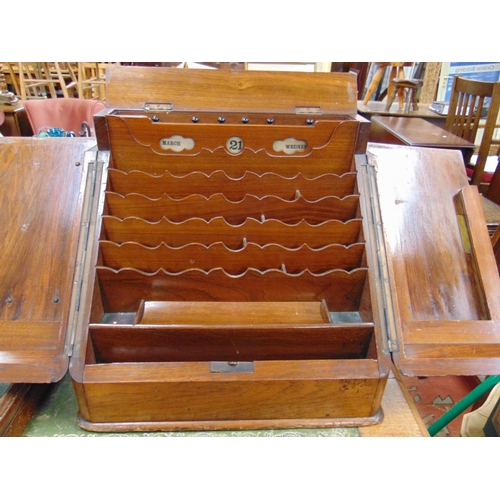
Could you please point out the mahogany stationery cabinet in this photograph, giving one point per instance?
(231, 254)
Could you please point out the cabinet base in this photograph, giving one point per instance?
(231, 425)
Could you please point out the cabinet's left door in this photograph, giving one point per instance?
(42, 186)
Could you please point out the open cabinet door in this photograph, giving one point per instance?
(442, 303)
(41, 199)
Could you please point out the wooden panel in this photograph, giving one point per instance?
(276, 390)
(224, 90)
(419, 226)
(443, 271)
(135, 145)
(39, 244)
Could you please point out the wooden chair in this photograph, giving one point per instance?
(39, 80)
(11, 75)
(92, 80)
(469, 111)
(493, 190)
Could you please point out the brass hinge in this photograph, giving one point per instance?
(308, 110)
(380, 268)
(163, 107)
(90, 186)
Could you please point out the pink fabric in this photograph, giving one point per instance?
(64, 113)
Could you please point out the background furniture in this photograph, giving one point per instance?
(379, 108)
(92, 80)
(409, 89)
(15, 120)
(43, 79)
(397, 71)
(473, 102)
(416, 132)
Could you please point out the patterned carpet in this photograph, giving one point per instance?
(434, 396)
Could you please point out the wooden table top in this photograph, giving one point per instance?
(372, 108)
(420, 133)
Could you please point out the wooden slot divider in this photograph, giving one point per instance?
(239, 342)
(198, 256)
(268, 207)
(123, 290)
(218, 229)
(235, 189)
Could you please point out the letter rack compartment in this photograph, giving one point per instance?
(233, 255)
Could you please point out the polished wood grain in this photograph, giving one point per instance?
(245, 91)
(416, 132)
(39, 245)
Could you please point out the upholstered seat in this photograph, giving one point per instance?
(64, 113)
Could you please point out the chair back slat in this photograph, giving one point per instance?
(474, 105)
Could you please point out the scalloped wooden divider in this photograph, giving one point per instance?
(234, 189)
